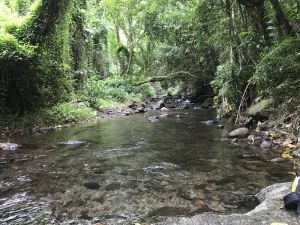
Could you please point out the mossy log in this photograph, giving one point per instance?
(154, 79)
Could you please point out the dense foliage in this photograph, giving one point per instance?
(245, 53)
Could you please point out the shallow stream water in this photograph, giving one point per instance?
(130, 171)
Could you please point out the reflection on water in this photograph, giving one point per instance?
(130, 170)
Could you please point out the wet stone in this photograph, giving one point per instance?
(9, 146)
(169, 211)
(277, 160)
(187, 194)
(73, 142)
(99, 171)
(153, 119)
(207, 122)
(242, 201)
(239, 133)
(113, 187)
(131, 184)
(265, 145)
(92, 185)
(198, 202)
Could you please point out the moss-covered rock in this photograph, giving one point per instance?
(260, 109)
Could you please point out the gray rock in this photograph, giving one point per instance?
(264, 126)
(268, 211)
(113, 186)
(239, 133)
(187, 194)
(234, 141)
(163, 115)
(277, 160)
(164, 109)
(127, 113)
(265, 145)
(153, 119)
(9, 146)
(207, 122)
(159, 104)
(296, 153)
(251, 138)
(73, 142)
(220, 126)
(140, 110)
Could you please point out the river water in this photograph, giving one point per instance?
(130, 170)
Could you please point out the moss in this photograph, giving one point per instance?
(67, 112)
(55, 115)
(262, 108)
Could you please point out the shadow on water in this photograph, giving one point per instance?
(130, 170)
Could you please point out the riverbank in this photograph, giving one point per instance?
(76, 112)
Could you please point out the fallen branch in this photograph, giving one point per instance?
(154, 79)
(169, 76)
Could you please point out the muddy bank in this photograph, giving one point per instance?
(270, 210)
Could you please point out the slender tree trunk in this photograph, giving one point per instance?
(256, 9)
(281, 18)
(260, 10)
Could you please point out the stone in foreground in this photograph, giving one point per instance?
(270, 210)
(9, 146)
(239, 133)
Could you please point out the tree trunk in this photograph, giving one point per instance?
(257, 12)
(281, 18)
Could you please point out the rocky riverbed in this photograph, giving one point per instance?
(269, 211)
(163, 162)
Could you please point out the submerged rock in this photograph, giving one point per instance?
(163, 115)
(113, 186)
(239, 133)
(9, 146)
(153, 119)
(267, 212)
(187, 194)
(207, 122)
(266, 145)
(73, 142)
(198, 202)
(92, 185)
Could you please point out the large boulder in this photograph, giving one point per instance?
(267, 212)
(239, 133)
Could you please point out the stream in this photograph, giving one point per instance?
(130, 170)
